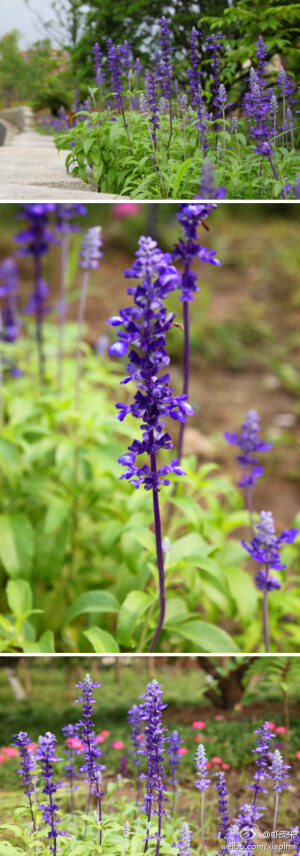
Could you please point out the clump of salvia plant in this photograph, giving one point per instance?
(233, 833)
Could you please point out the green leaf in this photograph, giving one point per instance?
(207, 638)
(16, 543)
(186, 547)
(134, 606)
(179, 175)
(101, 641)
(92, 601)
(19, 597)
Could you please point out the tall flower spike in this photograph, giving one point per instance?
(27, 769)
(46, 754)
(202, 783)
(174, 742)
(9, 284)
(188, 249)
(278, 772)
(166, 68)
(89, 257)
(91, 768)
(154, 747)
(208, 189)
(223, 810)
(250, 813)
(36, 240)
(146, 325)
(184, 844)
(265, 549)
(250, 445)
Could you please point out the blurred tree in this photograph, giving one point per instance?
(12, 67)
(49, 76)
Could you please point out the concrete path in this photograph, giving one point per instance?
(32, 168)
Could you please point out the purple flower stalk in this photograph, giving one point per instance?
(64, 215)
(27, 769)
(89, 257)
(9, 285)
(197, 102)
(37, 239)
(280, 776)
(135, 718)
(250, 446)
(208, 189)
(188, 249)
(46, 753)
(152, 101)
(174, 742)
(115, 60)
(154, 747)
(97, 58)
(146, 325)
(166, 68)
(265, 548)
(223, 810)
(214, 44)
(202, 783)
(91, 768)
(184, 844)
(250, 813)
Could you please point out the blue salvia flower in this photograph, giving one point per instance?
(146, 325)
(203, 781)
(27, 769)
(46, 754)
(278, 772)
(188, 249)
(250, 813)
(214, 44)
(184, 843)
(154, 748)
(265, 549)
(91, 768)
(174, 741)
(9, 286)
(36, 240)
(90, 253)
(223, 809)
(208, 189)
(97, 57)
(250, 445)
(152, 101)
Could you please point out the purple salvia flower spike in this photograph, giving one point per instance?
(208, 189)
(250, 445)
(188, 249)
(91, 768)
(146, 325)
(46, 754)
(154, 747)
(166, 69)
(265, 549)
(202, 783)
(184, 843)
(223, 810)
(27, 769)
(174, 741)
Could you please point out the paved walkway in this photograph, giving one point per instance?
(32, 168)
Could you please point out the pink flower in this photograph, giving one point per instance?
(99, 738)
(182, 751)
(198, 724)
(280, 730)
(105, 733)
(75, 743)
(200, 737)
(125, 209)
(219, 716)
(118, 744)
(10, 751)
(271, 726)
(208, 765)
(216, 760)
(225, 766)
(298, 755)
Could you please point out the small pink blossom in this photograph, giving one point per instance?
(280, 730)
(182, 751)
(198, 724)
(118, 744)
(216, 760)
(125, 209)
